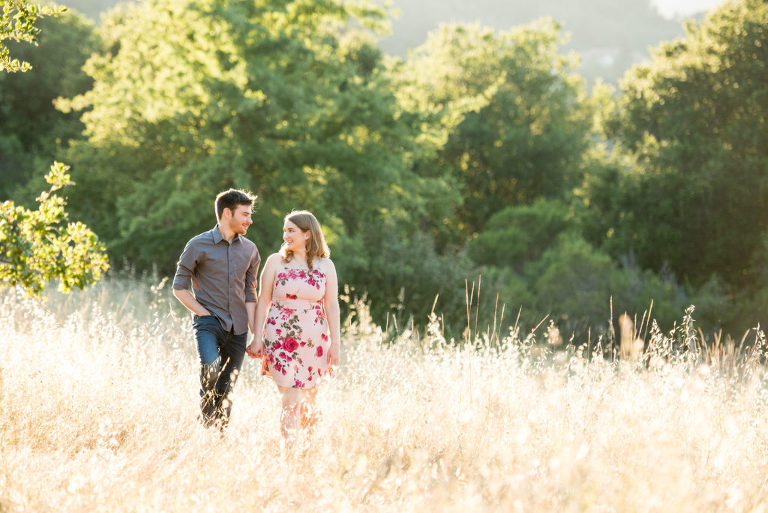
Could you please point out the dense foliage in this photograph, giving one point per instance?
(692, 197)
(17, 23)
(32, 130)
(481, 153)
(36, 247)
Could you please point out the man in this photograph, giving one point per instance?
(222, 266)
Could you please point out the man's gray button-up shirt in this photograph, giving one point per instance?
(223, 276)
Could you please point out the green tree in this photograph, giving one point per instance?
(535, 257)
(283, 98)
(577, 284)
(692, 193)
(32, 131)
(17, 23)
(517, 235)
(36, 248)
(515, 113)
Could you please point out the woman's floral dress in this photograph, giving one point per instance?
(296, 334)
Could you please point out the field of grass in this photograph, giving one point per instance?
(99, 399)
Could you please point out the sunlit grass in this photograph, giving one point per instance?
(99, 399)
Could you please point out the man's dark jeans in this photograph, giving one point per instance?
(221, 356)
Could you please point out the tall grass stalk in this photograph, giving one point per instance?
(99, 395)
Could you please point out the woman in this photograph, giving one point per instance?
(297, 330)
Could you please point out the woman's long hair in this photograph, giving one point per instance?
(316, 245)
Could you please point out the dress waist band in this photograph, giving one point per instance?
(288, 299)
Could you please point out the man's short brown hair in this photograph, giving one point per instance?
(231, 199)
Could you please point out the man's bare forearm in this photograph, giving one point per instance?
(189, 301)
(250, 307)
(260, 318)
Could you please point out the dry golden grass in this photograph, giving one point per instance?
(99, 389)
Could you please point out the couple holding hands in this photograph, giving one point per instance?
(294, 319)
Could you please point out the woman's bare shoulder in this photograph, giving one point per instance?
(273, 261)
(324, 265)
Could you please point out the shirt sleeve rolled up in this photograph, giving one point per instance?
(252, 277)
(185, 267)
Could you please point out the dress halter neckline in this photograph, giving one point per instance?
(304, 269)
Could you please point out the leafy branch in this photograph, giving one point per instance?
(39, 246)
(17, 23)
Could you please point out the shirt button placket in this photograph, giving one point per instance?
(229, 286)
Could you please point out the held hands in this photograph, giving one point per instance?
(256, 348)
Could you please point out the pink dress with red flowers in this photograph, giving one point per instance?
(296, 333)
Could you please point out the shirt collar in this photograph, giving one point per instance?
(217, 237)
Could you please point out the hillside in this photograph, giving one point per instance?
(609, 36)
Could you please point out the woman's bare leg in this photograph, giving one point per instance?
(289, 418)
(309, 412)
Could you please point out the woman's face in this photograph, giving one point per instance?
(294, 238)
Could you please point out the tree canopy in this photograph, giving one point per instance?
(286, 99)
(481, 152)
(35, 246)
(32, 131)
(521, 122)
(690, 196)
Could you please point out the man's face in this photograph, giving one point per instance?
(240, 219)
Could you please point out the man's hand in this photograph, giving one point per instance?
(256, 348)
(189, 301)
